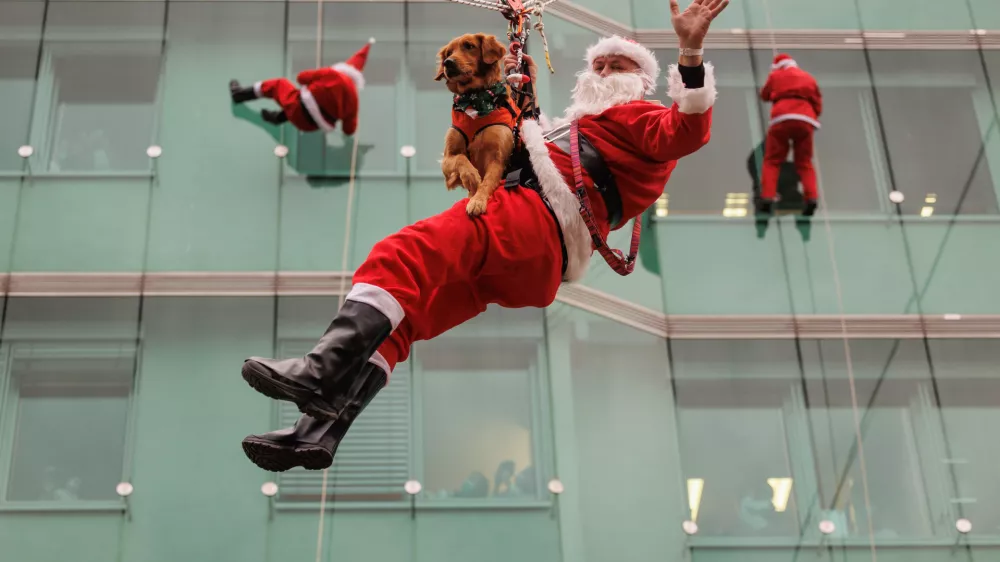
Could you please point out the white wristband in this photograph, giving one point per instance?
(692, 52)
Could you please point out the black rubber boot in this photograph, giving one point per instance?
(241, 94)
(273, 117)
(810, 208)
(328, 378)
(312, 443)
(764, 206)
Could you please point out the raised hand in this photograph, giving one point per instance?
(692, 24)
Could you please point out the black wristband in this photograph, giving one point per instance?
(692, 76)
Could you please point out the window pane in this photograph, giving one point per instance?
(888, 472)
(479, 405)
(69, 436)
(614, 413)
(20, 38)
(947, 90)
(733, 399)
(93, 119)
(969, 386)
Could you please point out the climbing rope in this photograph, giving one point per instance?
(838, 289)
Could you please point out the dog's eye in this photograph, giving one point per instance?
(468, 46)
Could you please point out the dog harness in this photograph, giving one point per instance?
(473, 112)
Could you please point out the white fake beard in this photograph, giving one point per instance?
(594, 94)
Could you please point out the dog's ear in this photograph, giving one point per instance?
(439, 73)
(492, 49)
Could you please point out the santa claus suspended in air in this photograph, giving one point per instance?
(797, 105)
(440, 272)
(326, 95)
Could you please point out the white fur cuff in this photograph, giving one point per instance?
(696, 100)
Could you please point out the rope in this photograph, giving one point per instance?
(319, 33)
(340, 303)
(838, 288)
(849, 363)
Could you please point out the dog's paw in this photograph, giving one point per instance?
(476, 207)
(453, 181)
(470, 179)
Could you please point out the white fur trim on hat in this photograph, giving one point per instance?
(352, 73)
(786, 63)
(576, 236)
(692, 100)
(617, 45)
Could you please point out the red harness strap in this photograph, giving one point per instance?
(622, 264)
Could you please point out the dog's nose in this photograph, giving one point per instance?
(450, 66)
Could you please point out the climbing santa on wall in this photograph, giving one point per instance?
(797, 105)
(326, 95)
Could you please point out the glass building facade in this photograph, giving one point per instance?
(763, 382)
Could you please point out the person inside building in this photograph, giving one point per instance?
(796, 107)
(442, 271)
(326, 95)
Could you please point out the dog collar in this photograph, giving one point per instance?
(481, 102)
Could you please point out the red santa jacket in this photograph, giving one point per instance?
(330, 95)
(795, 95)
(640, 142)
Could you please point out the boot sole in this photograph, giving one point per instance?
(274, 387)
(279, 458)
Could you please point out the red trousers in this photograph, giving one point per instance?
(444, 270)
(782, 135)
(287, 95)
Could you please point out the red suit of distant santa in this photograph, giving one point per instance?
(326, 95)
(797, 105)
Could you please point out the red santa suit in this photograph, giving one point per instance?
(326, 95)
(797, 105)
(443, 271)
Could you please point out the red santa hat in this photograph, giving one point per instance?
(649, 68)
(354, 66)
(783, 61)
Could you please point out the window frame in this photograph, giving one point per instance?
(10, 408)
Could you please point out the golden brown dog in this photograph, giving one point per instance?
(477, 147)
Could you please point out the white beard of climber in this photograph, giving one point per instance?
(443, 271)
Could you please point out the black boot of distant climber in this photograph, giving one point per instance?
(312, 443)
(810, 208)
(273, 117)
(330, 377)
(241, 94)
